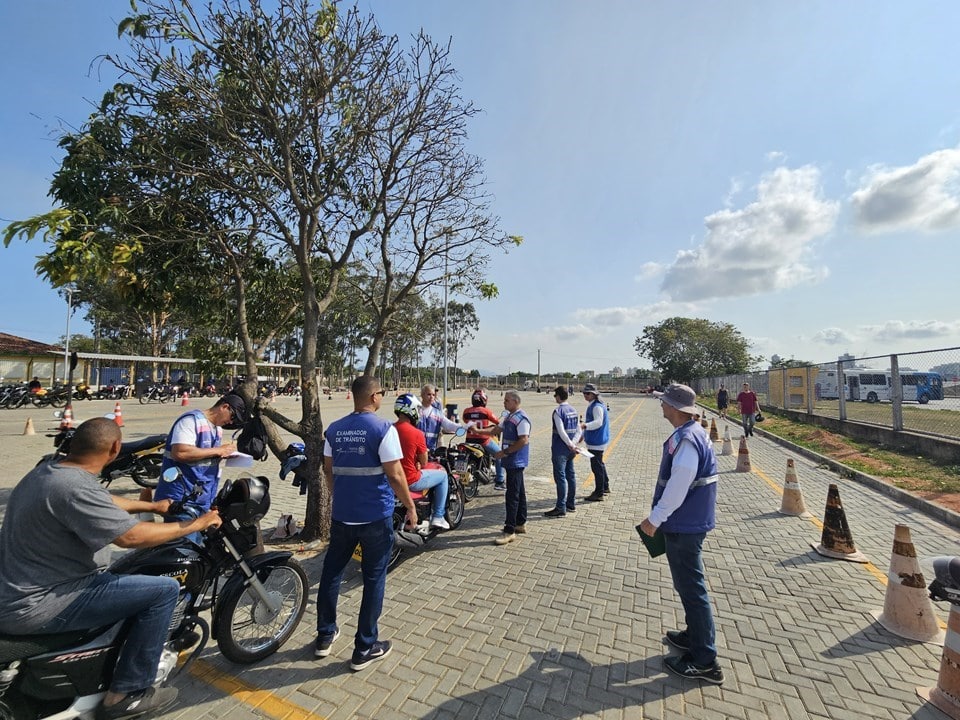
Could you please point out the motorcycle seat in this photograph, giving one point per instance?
(143, 444)
(18, 647)
(416, 494)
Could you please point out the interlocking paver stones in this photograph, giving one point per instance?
(568, 622)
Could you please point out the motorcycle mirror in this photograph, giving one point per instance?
(171, 474)
(58, 414)
(110, 416)
(461, 431)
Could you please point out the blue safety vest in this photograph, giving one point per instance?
(600, 436)
(568, 416)
(521, 458)
(697, 513)
(361, 492)
(203, 474)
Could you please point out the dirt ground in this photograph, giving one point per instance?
(835, 447)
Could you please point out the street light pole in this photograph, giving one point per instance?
(446, 249)
(66, 345)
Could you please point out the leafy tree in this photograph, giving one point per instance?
(687, 349)
(245, 143)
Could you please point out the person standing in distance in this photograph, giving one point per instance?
(563, 449)
(723, 400)
(515, 456)
(361, 466)
(596, 436)
(747, 404)
(684, 509)
(432, 420)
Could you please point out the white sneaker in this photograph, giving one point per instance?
(439, 523)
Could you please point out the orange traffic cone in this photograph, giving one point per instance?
(727, 442)
(792, 503)
(184, 399)
(837, 541)
(714, 433)
(28, 428)
(66, 419)
(907, 610)
(118, 414)
(946, 695)
(704, 424)
(348, 394)
(743, 457)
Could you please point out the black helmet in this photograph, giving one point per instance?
(238, 410)
(479, 398)
(244, 500)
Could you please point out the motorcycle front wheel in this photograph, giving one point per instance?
(146, 471)
(246, 630)
(471, 485)
(144, 398)
(455, 502)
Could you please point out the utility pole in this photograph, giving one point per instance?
(538, 369)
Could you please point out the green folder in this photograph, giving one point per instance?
(655, 545)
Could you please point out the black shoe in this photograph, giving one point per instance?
(554, 513)
(594, 497)
(379, 651)
(571, 509)
(325, 644)
(685, 667)
(607, 491)
(679, 639)
(152, 699)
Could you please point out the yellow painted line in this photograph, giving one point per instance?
(880, 576)
(264, 701)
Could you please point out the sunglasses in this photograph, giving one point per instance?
(380, 392)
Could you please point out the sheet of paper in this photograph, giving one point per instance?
(583, 451)
(239, 459)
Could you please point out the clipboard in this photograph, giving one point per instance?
(655, 545)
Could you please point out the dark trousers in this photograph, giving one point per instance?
(599, 471)
(684, 555)
(516, 498)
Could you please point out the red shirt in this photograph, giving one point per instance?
(412, 443)
(748, 401)
(482, 417)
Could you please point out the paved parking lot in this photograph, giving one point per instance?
(568, 621)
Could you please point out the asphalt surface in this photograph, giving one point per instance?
(568, 621)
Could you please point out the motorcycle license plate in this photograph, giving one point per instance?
(460, 465)
(358, 553)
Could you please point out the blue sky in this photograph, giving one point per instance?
(790, 168)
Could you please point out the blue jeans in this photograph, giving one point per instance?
(492, 448)
(147, 601)
(436, 479)
(516, 500)
(376, 542)
(686, 567)
(599, 470)
(566, 479)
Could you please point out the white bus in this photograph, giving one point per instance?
(877, 385)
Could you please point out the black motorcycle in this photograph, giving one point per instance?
(141, 460)
(255, 601)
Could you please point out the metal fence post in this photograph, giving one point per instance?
(896, 393)
(841, 391)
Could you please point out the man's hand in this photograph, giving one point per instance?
(210, 519)
(647, 527)
(162, 507)
(411, 519)
(500, 455)
(227, 450)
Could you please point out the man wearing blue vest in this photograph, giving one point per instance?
(563, 449)
(514, 429)
(432, 420)
(361, 465)
(684, 510)
(596, 436)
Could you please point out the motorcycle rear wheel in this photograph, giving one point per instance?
(245, 629)
(144, 398)
(471, 485)
(146, 471)
(455, 502)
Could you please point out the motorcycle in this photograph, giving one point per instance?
(56, 397)
(81, 391)
(159, 392)
(256, 603)
(945, 585)
(422, 534)
(477, 466)
(141, 460)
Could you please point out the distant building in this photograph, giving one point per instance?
(21, 359)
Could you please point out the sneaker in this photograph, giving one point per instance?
(505, 538)
(520, 529)
(679, 639)
(594, 497)
(571, 509)
(378, 651)
(607, 491)
(325, 644)
(440, 523)
(152, 699)
(685, 667)
(500, 487)
(556, 512)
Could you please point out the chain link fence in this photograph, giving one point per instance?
(917, 392)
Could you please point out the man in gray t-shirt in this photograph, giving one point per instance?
(53, 550)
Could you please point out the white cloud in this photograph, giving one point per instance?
(833, 336)
(568, 332)
(760, 248)
(775, 156)
(912, 330)
(638, 315)
(649, 270)
(923, 196)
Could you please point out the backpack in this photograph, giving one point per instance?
(253, 439)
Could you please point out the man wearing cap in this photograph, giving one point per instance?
(684, 510)
(748, 405)
(596, 436)
(194, 447)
